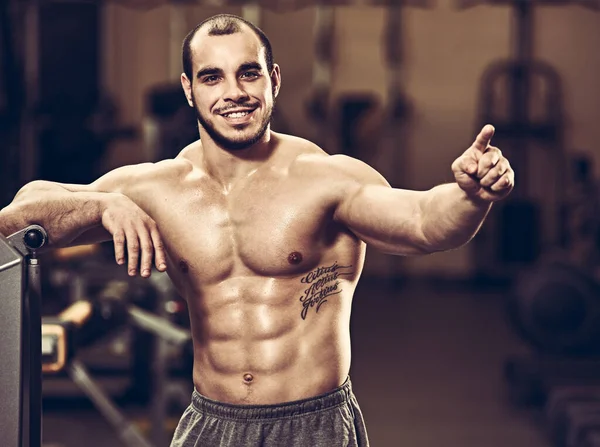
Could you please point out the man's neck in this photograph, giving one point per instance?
(227, 167)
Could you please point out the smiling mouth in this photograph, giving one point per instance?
(238, 114)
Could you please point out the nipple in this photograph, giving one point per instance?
(248, 377)
(295, 257)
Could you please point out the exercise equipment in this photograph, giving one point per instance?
(531, 378)
(156, 347)
(20, 323)
(522, 97)
(567, 391)
(113, 309)
(58, 354)
(397, 110)
(555, 305)
(580, 229)
(556, 308)
(57, 336)
(357, 120)
(31, 347)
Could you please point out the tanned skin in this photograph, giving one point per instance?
(265, 242)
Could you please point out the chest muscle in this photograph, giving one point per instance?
(263, 228)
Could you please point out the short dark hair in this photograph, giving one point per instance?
(220, 25)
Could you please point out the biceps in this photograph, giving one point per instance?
(386, 218)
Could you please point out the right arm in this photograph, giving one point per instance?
(80, 214)
(65, 211)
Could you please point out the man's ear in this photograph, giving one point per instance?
(187, 89)
(276, 80)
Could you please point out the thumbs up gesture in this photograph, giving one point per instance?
(482, 172)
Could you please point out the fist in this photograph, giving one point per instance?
(482, 172)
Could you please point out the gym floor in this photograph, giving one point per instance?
(427, 371)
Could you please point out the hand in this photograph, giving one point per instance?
(482, 172)
(130, 225)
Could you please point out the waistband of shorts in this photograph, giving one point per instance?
(331, 399)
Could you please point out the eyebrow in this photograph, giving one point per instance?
(250, 66)
(211, 71)
(207, 71)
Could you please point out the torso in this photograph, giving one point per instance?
(267, 275)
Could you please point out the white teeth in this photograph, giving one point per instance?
(236, 114)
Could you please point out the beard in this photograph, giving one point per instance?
(234, 144)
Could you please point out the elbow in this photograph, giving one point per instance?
(20, 212)
(30, 188)
(28, 191)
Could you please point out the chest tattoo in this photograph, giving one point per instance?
(322, 283)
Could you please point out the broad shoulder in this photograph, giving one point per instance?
(311, 160)
(128, 178)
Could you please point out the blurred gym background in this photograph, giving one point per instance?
(495, 344)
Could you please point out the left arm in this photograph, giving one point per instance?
(406, 222)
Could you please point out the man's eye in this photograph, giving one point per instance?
(211, 78)
(250, 74)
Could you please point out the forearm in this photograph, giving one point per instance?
(449, 218)
(64, 214)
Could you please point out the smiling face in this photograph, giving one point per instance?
(231, 90)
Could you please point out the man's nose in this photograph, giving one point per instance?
(234, 91)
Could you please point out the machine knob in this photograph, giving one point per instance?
(34, 239)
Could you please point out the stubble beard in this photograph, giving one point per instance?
(233, 144)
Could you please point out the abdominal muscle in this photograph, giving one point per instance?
(251, 345)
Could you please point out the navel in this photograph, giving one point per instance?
(295, 257)
(248, 378)
(183, 266)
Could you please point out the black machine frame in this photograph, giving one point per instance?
(20, 323)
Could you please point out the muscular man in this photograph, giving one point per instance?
(264, 235)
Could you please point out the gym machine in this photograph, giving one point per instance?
(111, 309)
(555, 308)
(20, 323)
(34, 345)
(554, 299)
(522, 97)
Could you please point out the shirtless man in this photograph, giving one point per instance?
(264, 235)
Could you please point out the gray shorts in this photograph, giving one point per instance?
(330, 420)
